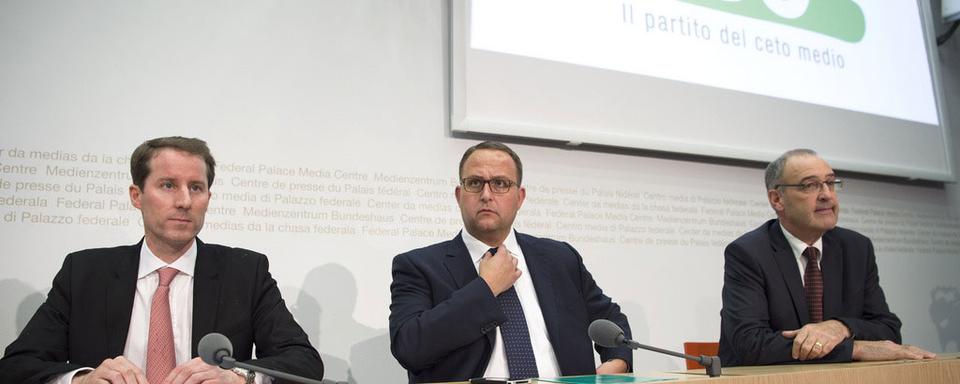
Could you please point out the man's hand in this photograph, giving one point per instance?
(499, 270)
(113, 371)
(887, 350)
(196, 371)
(613, 367)
(816, 340)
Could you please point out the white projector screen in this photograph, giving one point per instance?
(950, 9)
(743, 79)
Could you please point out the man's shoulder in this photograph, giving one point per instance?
(234, 253)
(542, 242)
(757, 235)
(433, 251)
(556, 250)
(851, 243)
(106, 250)
(103, 253)
(758, 245)
(846, 235)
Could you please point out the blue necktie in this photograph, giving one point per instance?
(521, 362)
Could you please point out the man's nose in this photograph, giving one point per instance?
(183, 198)
(826, 193)
(486, 192)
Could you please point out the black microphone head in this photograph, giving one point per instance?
(213, 348)
(606, 333)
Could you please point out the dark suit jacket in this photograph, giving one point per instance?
(443, 317)
(86, 316)
(763, 295)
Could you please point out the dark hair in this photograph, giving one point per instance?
(496, 146)
(140, 160)
(775, 169)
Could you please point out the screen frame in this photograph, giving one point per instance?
(461, 122)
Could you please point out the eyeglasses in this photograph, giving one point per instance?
(497, 184)
(815, 186)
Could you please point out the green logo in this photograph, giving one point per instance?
(842, 19)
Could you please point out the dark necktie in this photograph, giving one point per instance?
(813, 284)
(521, 362)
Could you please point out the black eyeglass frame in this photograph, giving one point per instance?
(498, 189)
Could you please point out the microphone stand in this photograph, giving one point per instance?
(711, 363)
(229, 362)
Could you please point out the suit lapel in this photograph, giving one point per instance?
(787, 263)
(119, 296)
(459, 264)
(206, 293)
(831, 265)
(543, 276)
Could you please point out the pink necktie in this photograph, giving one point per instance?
(161, 358)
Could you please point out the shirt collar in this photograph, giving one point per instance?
(150, 262)
(477, 248)
(798, 245)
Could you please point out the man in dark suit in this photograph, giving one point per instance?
(135, 314)
(493, 302)
(783, 302)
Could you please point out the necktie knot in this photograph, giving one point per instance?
(166, 275)
(812, 254)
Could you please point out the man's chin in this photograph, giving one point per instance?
(488, 228)
(826, 225)
(485, 226)
(487, 220)
(826, 216)
(181, 237)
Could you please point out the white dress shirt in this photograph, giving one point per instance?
(181, 311)
(181, 306)
(798, 247)
(547, 365)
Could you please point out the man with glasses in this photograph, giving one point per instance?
(799, 288)
(493, 302)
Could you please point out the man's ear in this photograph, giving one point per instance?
(135, 194)
(775, 199)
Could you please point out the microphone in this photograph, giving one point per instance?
(213, 348)
(608, 334)
(216, 349)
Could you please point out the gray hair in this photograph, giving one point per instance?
(775, 168)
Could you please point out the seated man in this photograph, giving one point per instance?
(493, 302)
(799, 288)
(134, 314)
